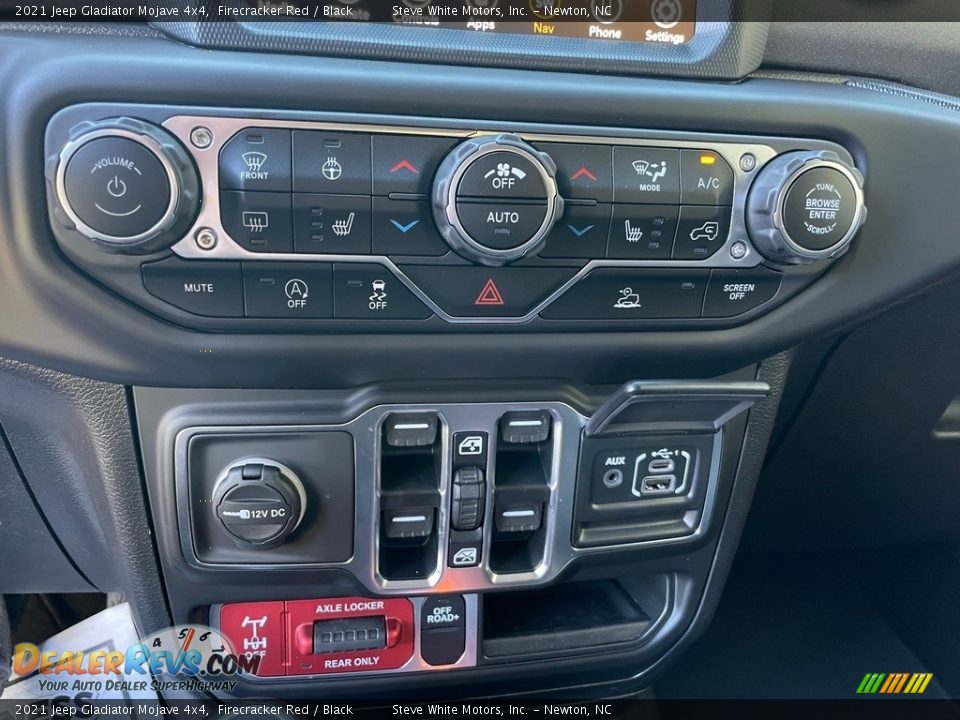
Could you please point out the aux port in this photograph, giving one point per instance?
(612, 478)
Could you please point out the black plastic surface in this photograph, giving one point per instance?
(32, 558)
(577, 616)
(324, 464)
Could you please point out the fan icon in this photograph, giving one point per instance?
(503, 170)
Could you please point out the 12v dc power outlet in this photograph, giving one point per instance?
(259, 504)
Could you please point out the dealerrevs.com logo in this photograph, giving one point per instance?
(184, 657)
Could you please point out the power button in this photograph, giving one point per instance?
(125, 184)
(117, 186)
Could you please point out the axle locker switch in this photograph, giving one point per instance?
(259, 503)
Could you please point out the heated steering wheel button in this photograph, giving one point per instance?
(501, 226)
(502, 175)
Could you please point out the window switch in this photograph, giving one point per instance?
(411, 430)
(523, 427)
(406, 523)
(518, 517)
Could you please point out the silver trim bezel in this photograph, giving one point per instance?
(74, 145)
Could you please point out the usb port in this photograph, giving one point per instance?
(661, 465)
(658, 485)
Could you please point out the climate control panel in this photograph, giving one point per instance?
(258, 222)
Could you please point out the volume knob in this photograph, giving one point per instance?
(805, 206)
(124, 184)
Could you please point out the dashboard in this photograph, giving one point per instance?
(444, 355)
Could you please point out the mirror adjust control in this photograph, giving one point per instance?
(467, 499)
(259, 503)
(525, 427)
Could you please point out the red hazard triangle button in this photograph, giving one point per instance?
(490, 295)
(477, 292)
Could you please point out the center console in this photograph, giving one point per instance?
(376, 536)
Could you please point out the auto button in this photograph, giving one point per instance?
(501, 226)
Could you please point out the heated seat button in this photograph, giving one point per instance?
(331, 224)
(583, 171)
(646, 175)
(405, 227)
(642, 232)
(331, 162)
(275, 290)
(581, 233)
(258, 221)
(371, 292)
(501, 226)
(702, 231)
(256, 159)
(406, 164)
(117, 186)
(443, 629)
(487, 292)
(734, 292)
(214, 289)
(705, 178)
(632, 294)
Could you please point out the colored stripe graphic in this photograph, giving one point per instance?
(894, 683)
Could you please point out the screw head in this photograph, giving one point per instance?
(738, 250)
(205, 238)
(201, 137)
(748, 162)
